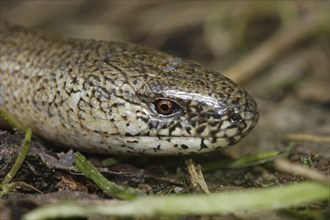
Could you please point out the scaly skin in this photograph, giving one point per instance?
(102, 96)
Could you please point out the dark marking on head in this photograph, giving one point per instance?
(201, 129)
(153, 124)
(231, 140)
(203, 145)
(193, 123)
(134, 82)
(101, 92)
(183, 146)
(188, 129)
(145, 120)
(214, 123)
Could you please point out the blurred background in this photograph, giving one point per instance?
(277, 50)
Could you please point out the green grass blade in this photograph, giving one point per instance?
(201, 204)
(108, 187)
(18, 162)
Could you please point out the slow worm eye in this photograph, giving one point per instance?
(166, 107)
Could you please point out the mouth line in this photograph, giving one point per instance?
(169, 137)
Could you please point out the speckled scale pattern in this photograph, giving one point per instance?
(99, 96)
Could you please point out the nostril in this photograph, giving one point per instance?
(235, 117)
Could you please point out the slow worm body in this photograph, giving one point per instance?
(119, 98)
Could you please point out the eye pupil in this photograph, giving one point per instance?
(164, 107)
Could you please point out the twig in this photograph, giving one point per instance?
(295, 169)
(308, 138)
(283, 40)
(196, 178)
